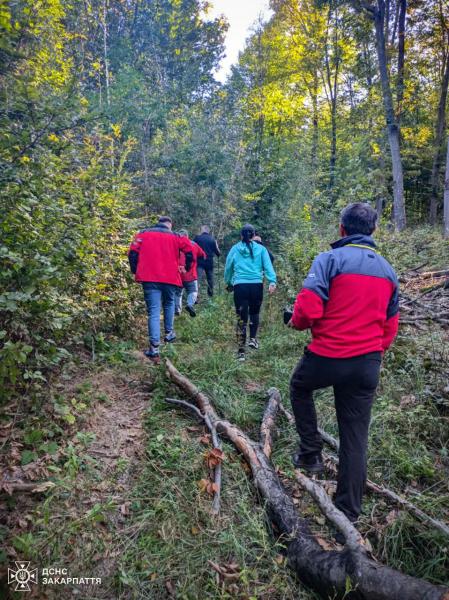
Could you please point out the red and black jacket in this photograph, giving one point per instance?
(192, 274)
(350, 300)
(154, 255)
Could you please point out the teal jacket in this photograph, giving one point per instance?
(241, 268)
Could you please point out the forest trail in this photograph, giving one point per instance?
(128, 505)
(118, 448)
(100, 465)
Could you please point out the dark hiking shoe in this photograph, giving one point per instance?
(338, 535)
(191, 311)
(253, 343)
(312, 463)
(153, 354)
(241, 354)
(170, 337)
(177, 313)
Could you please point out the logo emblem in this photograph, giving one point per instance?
(22, 576)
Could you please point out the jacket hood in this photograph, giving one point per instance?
(357, 238)
(243, 249)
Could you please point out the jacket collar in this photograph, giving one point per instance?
(160, 227)
(357, 238)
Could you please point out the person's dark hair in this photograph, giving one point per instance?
(247, 232)
(359, 217)
(164, 220)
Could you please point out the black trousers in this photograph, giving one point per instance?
(248, 298)
(207, 270)
(354, 381)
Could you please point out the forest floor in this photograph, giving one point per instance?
(126, 505)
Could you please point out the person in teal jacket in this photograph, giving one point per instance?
(246, 266)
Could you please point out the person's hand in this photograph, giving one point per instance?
(229, 288)
(290, 323)
(182, 269)
(272, 288)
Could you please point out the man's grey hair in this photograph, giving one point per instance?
(205, 229)
(359, 217)
(183, 232)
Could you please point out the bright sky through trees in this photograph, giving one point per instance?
(241, 15)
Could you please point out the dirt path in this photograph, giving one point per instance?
(82, 524)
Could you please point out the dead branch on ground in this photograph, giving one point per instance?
(327, 572)
(331, 463)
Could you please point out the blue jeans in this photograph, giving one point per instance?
(156, 294)
(191, 288)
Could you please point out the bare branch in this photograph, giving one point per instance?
(216, 444)
(354, 540)
(268, 420)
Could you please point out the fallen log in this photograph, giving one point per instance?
(335, 574)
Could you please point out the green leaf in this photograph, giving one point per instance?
(27, 457)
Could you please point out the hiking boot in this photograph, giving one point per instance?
(338, 535)
(153, 354)
(312, 463)
(253, 343)
(191, 311)
(177, 312)
(170, 337)
(241, 354)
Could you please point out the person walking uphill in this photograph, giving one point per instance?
(154, 260)
(206, 265)
(189, 278)
(350, 302)
(246, 265)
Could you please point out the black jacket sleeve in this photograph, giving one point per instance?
(189, 260)
(133, 258)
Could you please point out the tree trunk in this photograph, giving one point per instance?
(379, 207)
(446, 196)
(401, 58)
(392, 125)
(440, 128)
(332, 83)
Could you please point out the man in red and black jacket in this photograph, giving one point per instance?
(350, 302)
(189, 278)
(154, 260)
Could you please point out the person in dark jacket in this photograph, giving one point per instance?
(154, 260)
(206, 265)
(350, 302)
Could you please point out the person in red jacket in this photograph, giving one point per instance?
(350, 302)
(189, 278)
(154, 260)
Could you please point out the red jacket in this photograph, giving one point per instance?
(350, 300)
(197, 252)
(154, 255)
